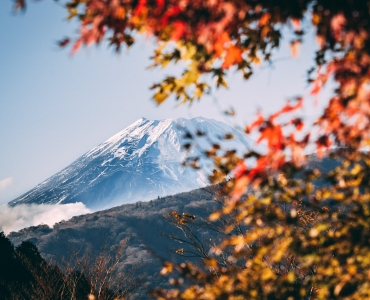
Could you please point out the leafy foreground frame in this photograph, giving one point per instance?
(307, 231)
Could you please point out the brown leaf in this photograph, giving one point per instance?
(64, 42)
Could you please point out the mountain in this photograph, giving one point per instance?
(152, 238)
(144, 224)
(140, 163)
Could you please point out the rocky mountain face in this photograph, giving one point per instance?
(140, 163)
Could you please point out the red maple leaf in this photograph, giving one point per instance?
(140, 7)
(178, 31)
(288, 108)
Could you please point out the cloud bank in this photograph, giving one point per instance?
(21, 216)
(4, 183)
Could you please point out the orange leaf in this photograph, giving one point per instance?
(296, 24)
(337, 23)
(256, 123)
(316, 87)
(76, 46)
(274, 136)
(240, 185)
(288, 108)
(294, 47)
(219, 45)
(120, 12)
(322, 143)
(233, 56)
(264, 19)
(240, 169)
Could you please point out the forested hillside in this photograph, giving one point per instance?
(143, 223)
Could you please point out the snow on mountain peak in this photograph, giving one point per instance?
(141, 162)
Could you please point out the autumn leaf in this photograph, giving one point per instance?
(337, 23)
(189, 216)
(230, 112)
(298, 123)
(316, 87)
(296, 24)
(288, 108)
(140, 7)
(294, 47)
(322, 143)
(120, 12)
(160, 3)
(160, 97)
(173, 11)
(167, 268)
(76, 46)
(240, 170)
(64, 42)
(178, 31)
(258, 122)
(20, 5)
(180, 251)
(273, 134)
(264, 19)
(228, 136)
(219, 45)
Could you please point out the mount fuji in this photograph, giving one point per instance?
(140, 163)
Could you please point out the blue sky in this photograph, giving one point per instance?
(54, 107)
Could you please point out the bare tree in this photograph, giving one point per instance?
(104, 272)
(97, 275)
(198, 236)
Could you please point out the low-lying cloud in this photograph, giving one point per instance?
(4, 183)
(24, 215)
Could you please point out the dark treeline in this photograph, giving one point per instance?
(25, 274)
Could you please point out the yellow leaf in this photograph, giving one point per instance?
(198, 93)
(167, 268)
(267, 274)
(160, 97)
(211, 263)
(356, 169)
(215, 216)
(291, 277)
(315, 19)
(352, 270)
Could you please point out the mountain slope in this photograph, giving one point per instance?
(139, 163)
(142, 223)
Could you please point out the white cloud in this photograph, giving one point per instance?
(21, 216)
(4, 183)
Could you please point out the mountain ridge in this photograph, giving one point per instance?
(141, 162)
(142, 223)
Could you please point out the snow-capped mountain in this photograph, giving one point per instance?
(139, 163)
